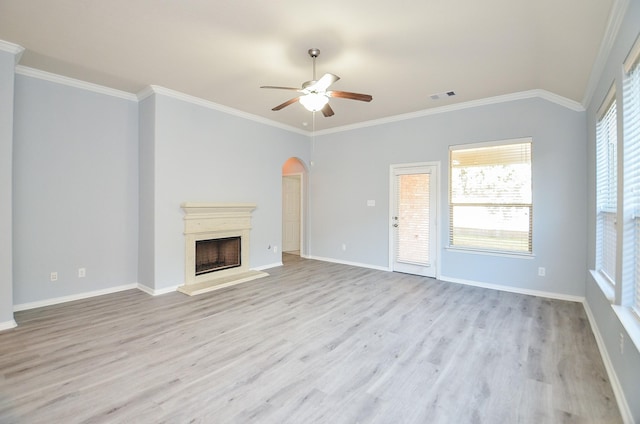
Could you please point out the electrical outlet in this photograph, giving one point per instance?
(621, 344)
(82, 272)
(542, 271)
(53, 276)
(275, 249)
(344, 247)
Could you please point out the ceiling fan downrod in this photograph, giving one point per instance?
(314, 53)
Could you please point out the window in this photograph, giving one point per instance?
(606, 188)
(631, 182)
(490, 196)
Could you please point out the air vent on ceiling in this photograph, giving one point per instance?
(446, 94)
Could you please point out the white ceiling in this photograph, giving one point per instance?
(398, 51)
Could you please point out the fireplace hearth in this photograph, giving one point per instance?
(217, 246)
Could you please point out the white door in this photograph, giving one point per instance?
(291, 185)
(414, 219)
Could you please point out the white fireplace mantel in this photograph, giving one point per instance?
(205, 221)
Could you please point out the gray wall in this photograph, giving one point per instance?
(98, 182)
(7, 66)
(75, 198)
(146, 178)
(353, 167)
(204, 155)
(627, 365)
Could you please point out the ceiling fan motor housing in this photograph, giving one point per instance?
(308, 84)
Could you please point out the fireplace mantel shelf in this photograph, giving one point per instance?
(200, 208)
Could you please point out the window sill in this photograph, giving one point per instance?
(491, 253)
(630, 322)
(605, 286)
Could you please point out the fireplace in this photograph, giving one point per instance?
(217, 254)
(217, 246)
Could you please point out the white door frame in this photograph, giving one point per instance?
(436, 211)
(302, 193)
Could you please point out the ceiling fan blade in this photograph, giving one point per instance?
(327, 111)
(348, 95)
(323, 83)
(287, 103)
(281, 88)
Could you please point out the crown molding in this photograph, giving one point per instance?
(72, 82)
(146, 92)
(559, 100)
(14, 49)
(154, 89)
(530, 94)
(616, 17)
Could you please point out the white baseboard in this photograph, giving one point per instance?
(154, 292)
(8, 325)
(263, 267)
(511, 289)
(625, 410)
(338, 261)
(70, 298)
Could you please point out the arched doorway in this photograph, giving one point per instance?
(294, 182)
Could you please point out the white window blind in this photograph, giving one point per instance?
(413, 218)
(490, 197)
(631, 120)
(606, 189)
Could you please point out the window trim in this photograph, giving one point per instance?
(609, 100)
(632, 57)
(618, 295)
(627, 295)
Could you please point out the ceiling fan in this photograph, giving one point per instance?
(315, 96)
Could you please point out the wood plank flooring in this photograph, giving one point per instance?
(312, 343)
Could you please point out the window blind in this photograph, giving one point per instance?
(490, 197)
(606, 189)
(413, 219)
(631, 125)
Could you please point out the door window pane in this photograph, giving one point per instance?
(413, 218)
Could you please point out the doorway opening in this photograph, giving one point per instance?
(293, 198)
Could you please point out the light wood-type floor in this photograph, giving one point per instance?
(314, 342)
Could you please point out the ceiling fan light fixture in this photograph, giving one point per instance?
(314, 102)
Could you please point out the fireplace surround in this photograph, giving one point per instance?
(217, 224)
